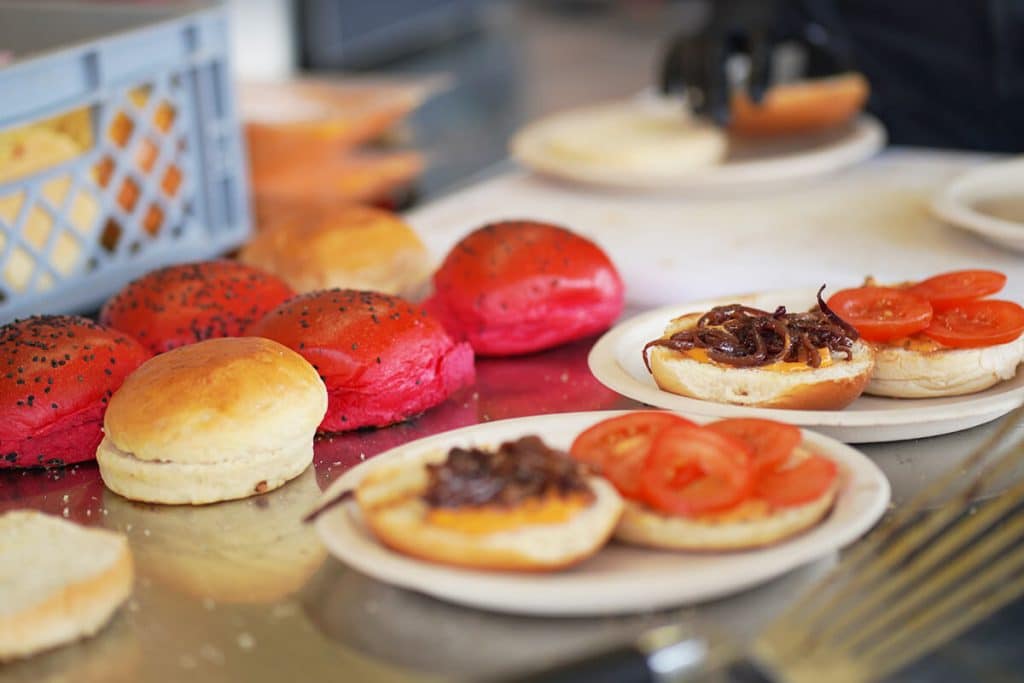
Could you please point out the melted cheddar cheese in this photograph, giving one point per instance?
(917, 342)
(701, 356)
(492, 518)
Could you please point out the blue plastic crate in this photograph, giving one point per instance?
(150, 161)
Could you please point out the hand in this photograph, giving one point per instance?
(695, 63)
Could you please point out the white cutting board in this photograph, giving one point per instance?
(671, 248)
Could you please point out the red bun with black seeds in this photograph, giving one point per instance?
(382, 358)
(521, 286)
(57, 373)
(187, 303)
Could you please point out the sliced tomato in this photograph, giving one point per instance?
(790, 486)
(693, 470)
(960, 286)
(985, 322)
(618, 446)
(772, 442)
(882, 313)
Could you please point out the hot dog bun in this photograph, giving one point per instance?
(391, 504)
(803, 107)
(826, 388)
(751, 524)
(924, 372)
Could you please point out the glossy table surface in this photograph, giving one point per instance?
(244, 591)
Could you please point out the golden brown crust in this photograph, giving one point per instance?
(476, 558)
(805, 390)
(391, 505)
(346, 246)
(802, 107)
(216, 400)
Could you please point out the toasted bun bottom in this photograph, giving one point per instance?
(802, 107)
(247, 474)
(829, 388)
(641, 525)
(903, 373)
(751, 525)
(66, 600)
(391, 506)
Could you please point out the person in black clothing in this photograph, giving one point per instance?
(943, 73)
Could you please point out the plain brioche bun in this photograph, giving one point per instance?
(348, 246)
(803, 107)
(828, 388)
(909, 373)
(216, 420)
(391, 504)
(751, 524)
(60, 371)
(58, 581)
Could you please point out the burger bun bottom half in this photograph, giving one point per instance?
(909, 373)
(751, 524)
(391, 504)
(828, 388)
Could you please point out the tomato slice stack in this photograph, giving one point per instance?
(680, 468)
(948, 308)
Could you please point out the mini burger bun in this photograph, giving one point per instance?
(907, 373)
(217, 420)
(829, 388)
(751, 525)
(347, 246)
(802, 107)
(391, 505)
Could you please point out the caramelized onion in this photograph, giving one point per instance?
(743, 336)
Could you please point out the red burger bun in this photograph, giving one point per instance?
(190, 302)
(58, 373)
(516, 287)
(382, 358)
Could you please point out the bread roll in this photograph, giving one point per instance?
(803, 107)
(58, 581)
(826, 388)
(61, 370)
(382, 358)
(751, 524)
(347, 246)
(390, 501)
(216, 420)
(924, 372)
(190, 302)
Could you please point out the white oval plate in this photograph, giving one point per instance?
(616, 362)
(619, 578)
(747, 162)
(954, 203)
